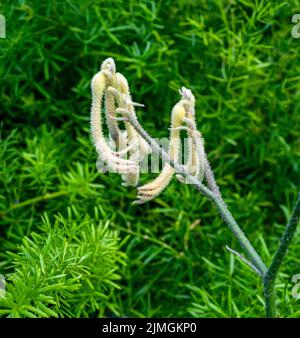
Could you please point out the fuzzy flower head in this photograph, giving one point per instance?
(112, 86)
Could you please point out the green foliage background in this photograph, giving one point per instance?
(60, 252)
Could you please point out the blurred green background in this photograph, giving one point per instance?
(243, 66)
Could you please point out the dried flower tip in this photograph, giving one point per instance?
(109, 65)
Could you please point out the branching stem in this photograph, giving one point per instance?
(180, 113)
(215, 198)
(271, 274)
(213, 194)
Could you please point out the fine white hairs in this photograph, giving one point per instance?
(131, 147)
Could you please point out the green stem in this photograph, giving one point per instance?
(215, 198)
(271, 273)
(34, 200)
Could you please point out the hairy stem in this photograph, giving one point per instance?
(215, 198)
(213, 194)
(210, 178)
(243, 259)
(271, 273)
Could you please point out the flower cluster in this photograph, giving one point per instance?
(132, 148)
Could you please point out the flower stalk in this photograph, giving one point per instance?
(106, 82)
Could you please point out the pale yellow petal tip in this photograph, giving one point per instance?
(109, 64)
(186, 94)
(98, 84)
